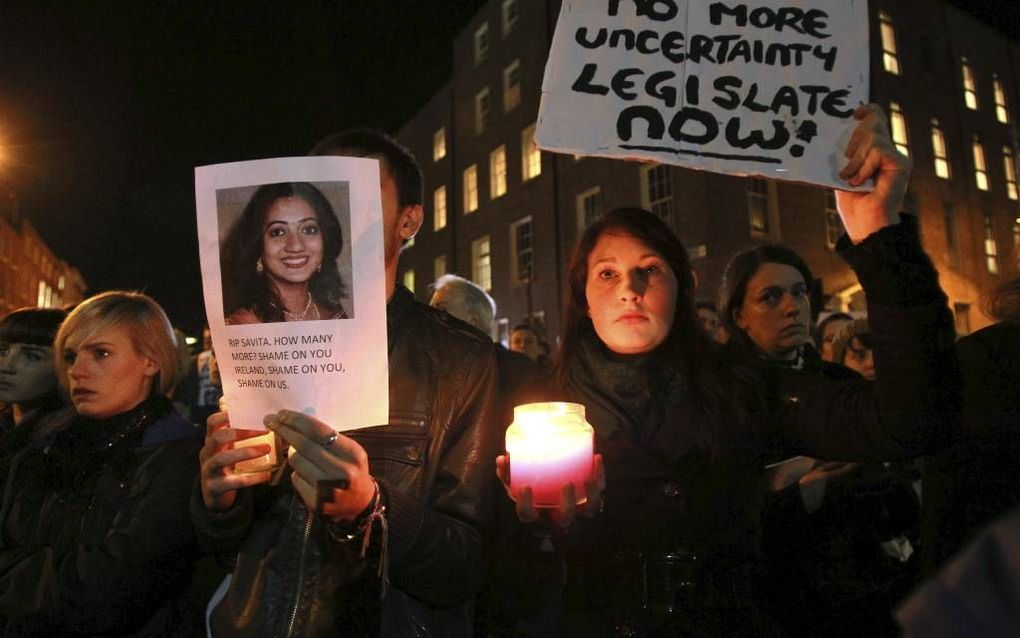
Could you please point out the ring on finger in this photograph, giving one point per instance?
(330, 440)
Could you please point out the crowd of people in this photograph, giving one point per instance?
(757, 471)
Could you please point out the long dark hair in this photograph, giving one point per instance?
(738, 273)
(685, 344)
(244, 288)
(34, 326)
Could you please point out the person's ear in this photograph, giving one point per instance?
(411, 219)
(150, 368)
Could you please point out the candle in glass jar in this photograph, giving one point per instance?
(550, 445)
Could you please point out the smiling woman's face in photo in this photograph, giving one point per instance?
(291, 241)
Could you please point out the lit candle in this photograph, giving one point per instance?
(550, 445)
(265, 463)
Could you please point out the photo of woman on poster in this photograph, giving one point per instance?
(279, 259)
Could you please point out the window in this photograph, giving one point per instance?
(1001, 111)
(520, 249)
(531, 157)
(969, 87)
(833, 222)
(899, 128)
(482, 43)
(438, 267)
(439, 144)
(409, 280)
(758, 205)
(938, 147)
(471, 189)
(991, 250)
(482, 111)
(481, 264)
(439, 208)
(511, 86)
(497, 172)
(889, 59)
(1009, 166)
(589, 207)
(961, 312)
(980, 172)
(511, 16)
(657, 191)
(41, 300)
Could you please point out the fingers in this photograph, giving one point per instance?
(306, 490)
(565, 512)
(525, 506)
(308, 436)
(216, 421)
(503, 473)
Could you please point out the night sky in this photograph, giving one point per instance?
(106, 107)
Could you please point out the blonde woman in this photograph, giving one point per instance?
(95, 532)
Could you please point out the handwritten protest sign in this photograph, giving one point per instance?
(292, 269)
(762, 87)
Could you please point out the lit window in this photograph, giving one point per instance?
(1016, 239)
(833, 222)
(1001, 111)
(511, 15)
(438, 267)
(41, 300)
(938, 147)
(531, 157)
(969, 86)
(497, 173)
(1009, 166)
(482, 43)
(481, 263)
(657, 191)
(409, 280)
(482, 111)
(589, 207)
(980, 171)
(899, 128)
(758, 205)
(439, 208)
(511, 86)
(991, 251)
(889, 60)
(520, 249)
(471, 189)
(439, 144)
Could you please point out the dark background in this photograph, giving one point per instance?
(106, 107)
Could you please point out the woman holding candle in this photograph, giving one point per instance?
(96, 538)
(684, 429)
(279, 259)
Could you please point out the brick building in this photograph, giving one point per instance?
(30, 273)
(505, 215)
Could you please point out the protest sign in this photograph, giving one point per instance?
(765, 87)
(292, 270)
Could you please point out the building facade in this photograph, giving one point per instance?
(506, 215)
(30, 273)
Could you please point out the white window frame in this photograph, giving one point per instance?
(439, 208)
(970, 97)
(483, 111)
(651, 198)
(439, 144)
(1001, 109)
(1009, 169)
(511, 13)
(770, 197)
(980, 167)
(511, 91)
(482, 45)
(531, 156)
(517, 277)
(890, 61)
(898, 126)
(497, 172)
(939, 150)
(481, 262)
(471, 189)
(991, 249)
(582, 207)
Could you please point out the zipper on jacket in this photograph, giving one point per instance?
(301, 572)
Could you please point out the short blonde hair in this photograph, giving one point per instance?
(148, 328)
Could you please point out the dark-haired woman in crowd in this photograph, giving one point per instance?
(279, 259)
(683, 432)
(95, 537)
(838, 536)
(28, 384)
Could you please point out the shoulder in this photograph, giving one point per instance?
(242, 316)
(170, 428)
(425, 320)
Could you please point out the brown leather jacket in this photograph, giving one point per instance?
(434, 464)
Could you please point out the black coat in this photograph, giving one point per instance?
(96, 538)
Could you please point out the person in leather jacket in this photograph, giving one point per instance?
(393, 544)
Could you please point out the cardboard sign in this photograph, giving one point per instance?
(765, 87)
(292, 269)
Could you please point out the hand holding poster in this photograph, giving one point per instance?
(292, 266)
(762, 87)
